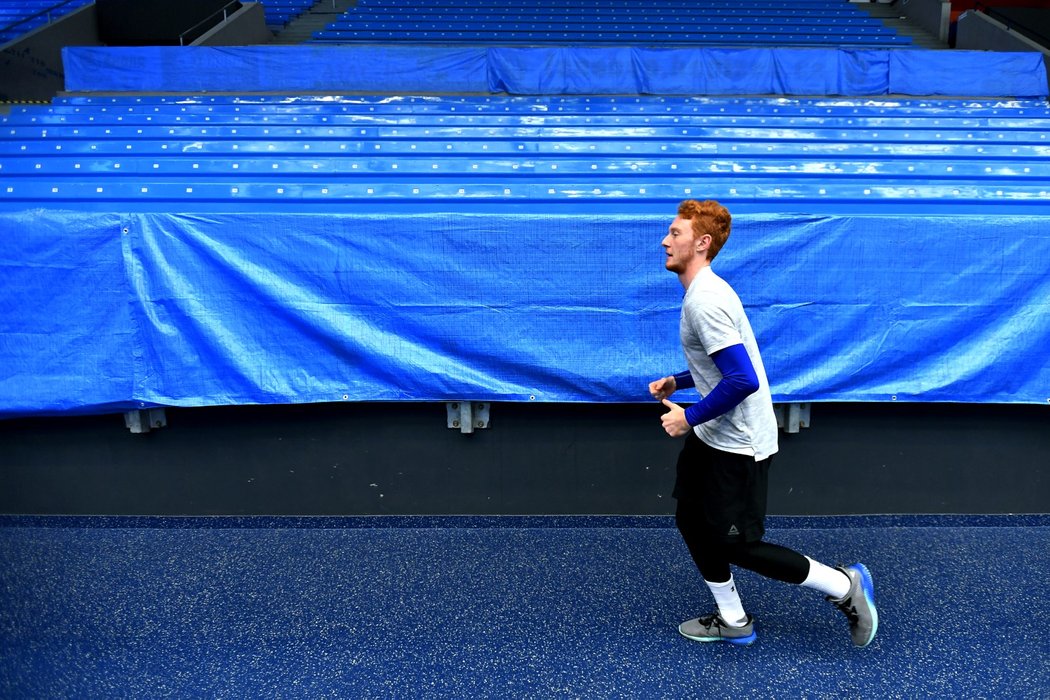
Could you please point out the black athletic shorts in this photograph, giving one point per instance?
(728, 490)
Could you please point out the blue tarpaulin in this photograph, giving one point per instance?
(102, 311)
(556, 70)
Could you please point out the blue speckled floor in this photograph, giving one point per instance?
(516, 608)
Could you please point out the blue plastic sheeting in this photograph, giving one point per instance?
(985, 72)
(560, 70)
(274, 69)
(102, 311)
(690, 71)
(65, 317)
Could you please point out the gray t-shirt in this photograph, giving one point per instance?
(713, 319)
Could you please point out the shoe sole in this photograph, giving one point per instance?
(867, 585)
(739, 641)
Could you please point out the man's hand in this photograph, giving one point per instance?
(662, 388)
(674, 420)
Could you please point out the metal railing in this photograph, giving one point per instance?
(225, 11)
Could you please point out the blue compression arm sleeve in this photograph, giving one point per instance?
(684, 380)
(739, 381)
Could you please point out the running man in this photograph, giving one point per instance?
(731, 437)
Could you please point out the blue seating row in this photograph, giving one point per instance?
(642, 20)
(251, 123)
(938, 110)
(562, 130)
(638, 16)
(92, 152)
(642, 29)
(446, 37)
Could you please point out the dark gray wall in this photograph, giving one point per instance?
(976, 31)
(337, 459)
(31, 68)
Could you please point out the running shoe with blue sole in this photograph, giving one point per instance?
(712, 628)
(859, 604)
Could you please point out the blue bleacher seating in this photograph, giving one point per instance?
(593, 22)
(818, 154)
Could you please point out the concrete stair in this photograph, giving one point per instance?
(319, 16)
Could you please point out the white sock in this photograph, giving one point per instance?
(829, 581)
(729, 605)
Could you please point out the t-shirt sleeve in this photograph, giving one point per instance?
(712, 324)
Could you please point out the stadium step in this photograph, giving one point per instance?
(301, 30)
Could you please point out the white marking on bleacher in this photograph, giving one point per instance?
(54, 190)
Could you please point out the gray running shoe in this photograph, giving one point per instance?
(859, 604)
(712, 628)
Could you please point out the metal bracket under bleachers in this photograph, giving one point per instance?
(467, 415)
(792, 416)
(145, 420)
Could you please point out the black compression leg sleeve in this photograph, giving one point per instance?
(769, 560)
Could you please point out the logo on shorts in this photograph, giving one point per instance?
(733, 530)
